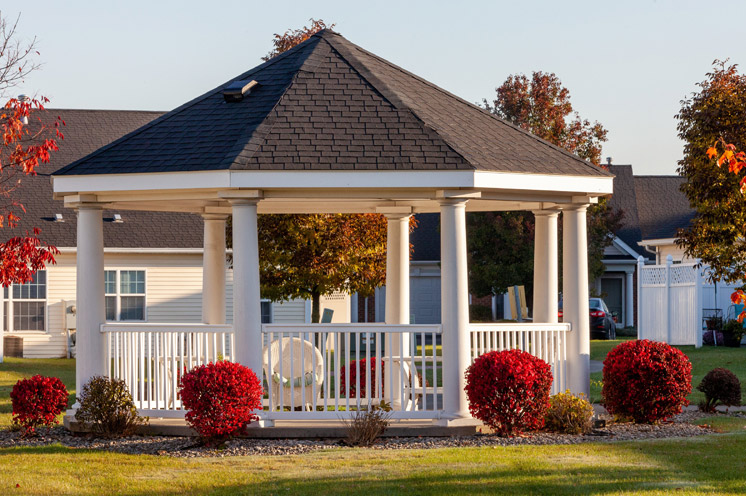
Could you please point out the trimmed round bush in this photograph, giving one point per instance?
(363, 365)
(721, 386)
(220, 399)
(646, 381)
(569, 414)
(106, 406)
(37, 401)
(509, 391)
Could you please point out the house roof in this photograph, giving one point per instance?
(85, 131)
(328, 104)
(662, 207)
(654, 206)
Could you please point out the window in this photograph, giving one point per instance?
(266, 312)
(125, 294)
(25, 305)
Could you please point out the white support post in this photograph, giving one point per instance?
(213, 270)
(91, 345)
(247, 316)
(575, 297)
(454, 310)
(545, 267)
(397, 294)
(667, 311)
(629, 310)
(2, 324)
(641, 331)
(698, 282)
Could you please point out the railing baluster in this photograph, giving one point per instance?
(357, 370)
(270, 373)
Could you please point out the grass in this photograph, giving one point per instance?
(703, 360)
(706, 465)
(14, 369)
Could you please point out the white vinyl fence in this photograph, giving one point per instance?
(672, 298)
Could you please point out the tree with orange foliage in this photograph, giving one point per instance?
(307, 256)
(26, 142)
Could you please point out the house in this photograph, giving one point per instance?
(153, 260)
(328, 127)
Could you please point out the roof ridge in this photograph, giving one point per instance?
(172, 113)
(471, 105)
(388, 93)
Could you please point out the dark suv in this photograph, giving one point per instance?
(601, 319)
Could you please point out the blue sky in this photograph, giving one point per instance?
(627, 64)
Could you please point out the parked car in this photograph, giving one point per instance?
(602, 321)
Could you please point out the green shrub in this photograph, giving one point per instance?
(720, 386)
(569, 414)
(106, 405)
(480, 313)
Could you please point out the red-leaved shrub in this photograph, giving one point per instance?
(220, 399)
(37, 402)
(646, 381)
(509, 391)
(363, 366)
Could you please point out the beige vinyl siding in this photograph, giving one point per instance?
(289, 312)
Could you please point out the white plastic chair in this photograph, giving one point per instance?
(298, 389)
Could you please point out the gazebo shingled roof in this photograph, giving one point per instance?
(327, 104)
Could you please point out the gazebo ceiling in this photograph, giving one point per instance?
(325, 124)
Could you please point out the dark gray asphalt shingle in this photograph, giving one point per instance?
(85, 131)
(329, 104)
(662, 207)
(624, 199)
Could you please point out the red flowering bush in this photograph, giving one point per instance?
(37, 402)
(646, 381)
(220, 398)
(363, 366)
(509, 391)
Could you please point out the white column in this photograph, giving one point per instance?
(575, 297)
(629, 311)
(90, 303)
(454, 308)
(213, 270)
(247, 318)
(397, 296)
(545, 267)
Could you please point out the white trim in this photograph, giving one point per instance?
(621, 262)
(625, 247)
(657, 242)
(315, 179)
(118, 294)
(10, 315)
(186, 251)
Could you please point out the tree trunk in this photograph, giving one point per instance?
(315, 307)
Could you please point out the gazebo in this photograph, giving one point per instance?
(328, 127)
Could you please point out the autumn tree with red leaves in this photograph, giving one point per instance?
(26, 142)
(540, 105)
(292, 37)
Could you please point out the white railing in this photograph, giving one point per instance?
(151, 359)
(546, 341)
(330, 371)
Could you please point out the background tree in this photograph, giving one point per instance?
(540, 105)
(293, 37)
(717, 231)
(27, 140)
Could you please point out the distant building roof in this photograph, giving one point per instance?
(85, 131)
(625, 200)
(327, 104)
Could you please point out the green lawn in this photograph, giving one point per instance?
(709, 465)
(703, 360)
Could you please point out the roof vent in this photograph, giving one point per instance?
(24, 119)
(117, 219)
(237, 90)
(608, 160)
(58, 218)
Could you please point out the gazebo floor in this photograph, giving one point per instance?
(297, 429)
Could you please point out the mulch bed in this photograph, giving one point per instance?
(681, 426)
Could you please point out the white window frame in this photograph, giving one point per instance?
(118, 295)
(11, 314)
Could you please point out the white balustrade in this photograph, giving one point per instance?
(329, 371)
(545, 341)
(151, 358)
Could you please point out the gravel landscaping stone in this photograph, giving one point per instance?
(681, 426)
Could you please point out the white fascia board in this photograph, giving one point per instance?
(174, 251)
(141, 182)
(591, 185)
(314, 179)
(630, 263)
(657, 242)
